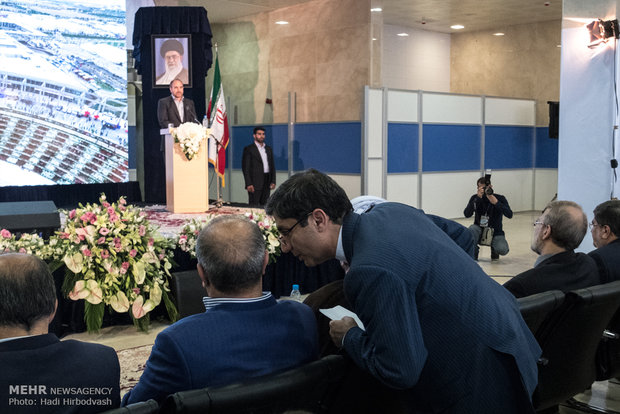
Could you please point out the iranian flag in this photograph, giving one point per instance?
(218, 138)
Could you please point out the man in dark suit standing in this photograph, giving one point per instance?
(259, 170)
(39, 372)
(557, 232)
(435, 323)
(175, 109)
(605, 232)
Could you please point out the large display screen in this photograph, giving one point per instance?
(63, 92)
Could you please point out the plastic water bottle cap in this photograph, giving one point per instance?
(295, 287)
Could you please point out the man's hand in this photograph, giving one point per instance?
(338, 329)
(272, 186)
(250, 188)
(480, 192)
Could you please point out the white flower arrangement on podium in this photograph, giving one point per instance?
(189, 136)
(189, 233)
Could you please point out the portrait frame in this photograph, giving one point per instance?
(172, 43)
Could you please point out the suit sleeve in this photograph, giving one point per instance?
(272, 167)
(166, 372)
(162, 114)
(515, 286)
(190, 115)
(392, 347)
(246, 166)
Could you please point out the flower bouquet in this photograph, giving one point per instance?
(189, 136)
(113, 257)
(190, 231)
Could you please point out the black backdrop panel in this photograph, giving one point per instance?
(173, 21)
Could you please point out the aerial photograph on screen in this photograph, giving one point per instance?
(63, 92)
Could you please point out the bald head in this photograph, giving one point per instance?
(568, 223)
(27, 291)
(231, 252)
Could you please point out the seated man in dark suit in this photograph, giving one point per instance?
(557, 232)
(243, 333)
(38, 372)
(605, 233)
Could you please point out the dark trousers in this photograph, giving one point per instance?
(261, 194)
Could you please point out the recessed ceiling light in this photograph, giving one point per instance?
(457, 26)
(376, 9)
(403, 34)
(498, 34)
(281, 22)
(374, 38)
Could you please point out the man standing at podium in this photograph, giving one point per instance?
(175, 109)
(259, 171)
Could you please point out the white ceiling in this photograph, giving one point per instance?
(438, 15)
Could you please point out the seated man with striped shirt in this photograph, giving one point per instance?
(244, 331)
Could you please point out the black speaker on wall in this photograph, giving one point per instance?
(554, 119)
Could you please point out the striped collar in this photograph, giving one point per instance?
(212, 302)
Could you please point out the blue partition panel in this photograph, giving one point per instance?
(451, 147)
(546, 149)
(276, 136)
(402, 152)
(328, 147)
(508, 147)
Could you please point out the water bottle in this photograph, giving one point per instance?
(205, 121)
(295, 293)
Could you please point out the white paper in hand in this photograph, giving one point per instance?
(338, 312)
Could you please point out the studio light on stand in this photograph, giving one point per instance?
(601, 31)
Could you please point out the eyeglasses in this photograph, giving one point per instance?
(537, 222)
(590, 225)
(285, 234)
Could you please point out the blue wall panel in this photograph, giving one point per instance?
(328, 147)
(508, 147)
(546, 149)
(402, 152)
(451, 147)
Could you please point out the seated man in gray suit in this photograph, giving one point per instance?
(557, 232)
(244, 332)
(38, 372)
(605, 235)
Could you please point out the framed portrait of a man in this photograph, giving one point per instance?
(171, 59)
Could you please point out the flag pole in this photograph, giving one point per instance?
(218, 200)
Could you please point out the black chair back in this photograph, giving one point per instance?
(536, 308)
(569, 338)
(188, 291)
(608, 352)
(144, 407)
(308, 387)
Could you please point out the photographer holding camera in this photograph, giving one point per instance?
(489, 208)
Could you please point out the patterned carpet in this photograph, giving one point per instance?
(170, 224)
(133, 361)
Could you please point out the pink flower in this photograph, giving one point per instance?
(86, 252)
(183, 239)
(88, 217)
(64, 235)
(125, 265)
(101, 240)
(133, 253)
(5, 233)
(72, 214)
(113, 218)
(122, 271)
(142, 231)
(136, 291)
(22, 250)
(122, 201)
(105, 204)
(122, 208)
(105, 254)
(111, 210)
(103, 231)
(161, 256)
(151, 241)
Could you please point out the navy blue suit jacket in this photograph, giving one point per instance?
(607, 260)
(435, 322)
(226, 344)
(74, 367)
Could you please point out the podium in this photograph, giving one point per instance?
(187, 185)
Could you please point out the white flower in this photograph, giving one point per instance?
(189, 136)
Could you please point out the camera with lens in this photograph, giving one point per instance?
(488, 190)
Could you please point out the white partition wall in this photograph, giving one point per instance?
(433, 146)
